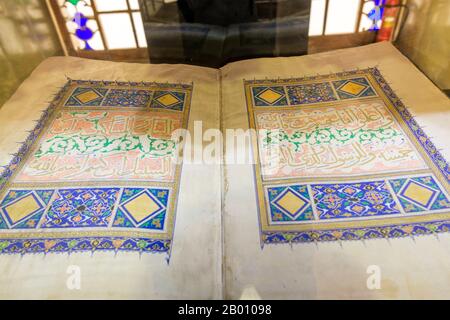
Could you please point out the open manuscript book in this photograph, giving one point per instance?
(99, 185)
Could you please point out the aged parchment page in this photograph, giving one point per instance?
(416, 267)
(194, 271)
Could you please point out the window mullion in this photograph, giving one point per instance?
(100, 27)
(130, 14)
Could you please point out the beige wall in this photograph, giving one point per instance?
(425, 39)
(27, 37)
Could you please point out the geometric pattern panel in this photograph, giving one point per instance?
(127, 98)
(23, 209)
(310, 93)
(350, 200)
(171, 100)
(269, 96)
(289, 203)
(351, 162)
(290, 93)
(418, 194)
(142, 208)
(353, 88)
(81, 207)
(86, 97)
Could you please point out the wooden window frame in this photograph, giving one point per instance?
(129, 54)
(327, 42)
(318, 43)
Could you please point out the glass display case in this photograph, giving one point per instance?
(212, 33)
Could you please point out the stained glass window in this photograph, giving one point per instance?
(371, 15)
(344, 16)
(103, 24)
(111, 26)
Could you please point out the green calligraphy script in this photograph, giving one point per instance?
(77, 144)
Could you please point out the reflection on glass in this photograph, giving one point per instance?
(214, 32)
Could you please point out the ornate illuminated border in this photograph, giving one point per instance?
(351, 230)
(90, 240)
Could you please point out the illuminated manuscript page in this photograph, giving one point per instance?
(269, 265)
(194, 268)
(411, 267)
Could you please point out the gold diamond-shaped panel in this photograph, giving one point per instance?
(352, 88)
(87, 96)
(290, 202)
(270, 96)
(141, 207)
(22, 208)
(167, 99)
(418, 193)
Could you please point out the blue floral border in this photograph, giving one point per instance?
(68, 244)
(388, 231)
(420, 135)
